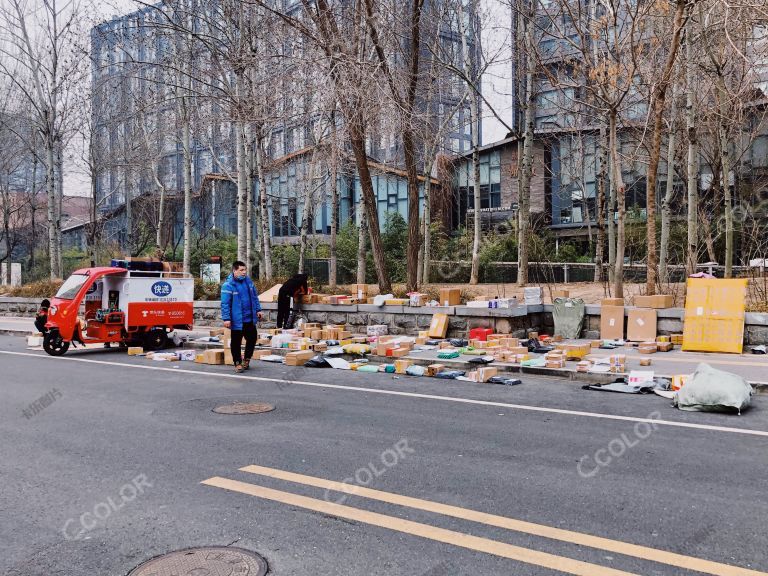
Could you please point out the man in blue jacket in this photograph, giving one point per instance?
(240, 310)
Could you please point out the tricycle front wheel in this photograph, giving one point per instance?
(54, 344)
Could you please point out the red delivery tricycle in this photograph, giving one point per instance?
(119, 306)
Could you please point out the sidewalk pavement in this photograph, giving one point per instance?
(752, 367)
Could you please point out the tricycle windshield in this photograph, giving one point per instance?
(71, 287)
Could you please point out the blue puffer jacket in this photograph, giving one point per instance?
(234, 296)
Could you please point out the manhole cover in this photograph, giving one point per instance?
(244, 408)
(212, 561)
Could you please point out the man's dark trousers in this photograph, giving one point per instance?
(249, 332)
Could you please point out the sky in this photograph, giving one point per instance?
(496, 84)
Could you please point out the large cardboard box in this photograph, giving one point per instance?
(439, 326)
(612, 322)
(271, 294)
(641, 325)
(450, 296)
(298, 357)
(714, 315)
(612, 302)
(486, 373)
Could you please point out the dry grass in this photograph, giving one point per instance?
(40, 289)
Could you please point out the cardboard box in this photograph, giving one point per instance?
(561, 294)
(641, 325)
(450, 296)
(643, 301)
(645, 361)
(200, 358)
(417, 299)
(663, 300)
(612, 322)
(402, 365)
(434, 369)
(664, 346)
(577, 351)
(596, 343)
(486, 373)
(397, 302)
(439, 326)
(647, 348)
(214, 357)
(298, 357)
(135, 350)
(258, 354)
(518, 349)
(398, 352)
(612, 302)
(676, 339)
(360, 290)
(583, 366)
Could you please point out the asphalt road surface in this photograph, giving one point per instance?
(108, 460)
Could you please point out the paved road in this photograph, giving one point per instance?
(127, 461)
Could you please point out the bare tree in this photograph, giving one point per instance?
(38, 58)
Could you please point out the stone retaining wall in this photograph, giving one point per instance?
(404, 319)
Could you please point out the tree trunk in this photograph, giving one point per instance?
(333, 260)
(33, 230)
(666, 203)
(307, 212)
(725, 161)
(50, 185)
(474, 277)
(187, 176)
(247, 141)
(659, 97)
(357, 142)
(692, 169)
(160, 219)
(526, 170)
(263, 208)
(600, 209)
(362, 239)
(427, 255)
(242, 193)
(618, 185)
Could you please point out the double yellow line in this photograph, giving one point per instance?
(504, 550)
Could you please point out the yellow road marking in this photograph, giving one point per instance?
(502, 549)
(625, 548)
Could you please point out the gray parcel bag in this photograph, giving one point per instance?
(712, 390)
(568, 316)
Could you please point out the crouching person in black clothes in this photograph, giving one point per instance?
(294, 288)
(42, 316)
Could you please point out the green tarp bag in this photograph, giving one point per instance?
(568, 315)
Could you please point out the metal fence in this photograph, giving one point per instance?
(458, 272)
